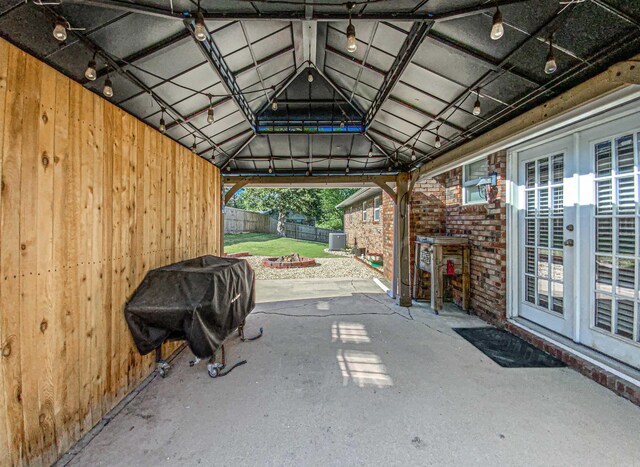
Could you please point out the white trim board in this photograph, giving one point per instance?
(603, 104)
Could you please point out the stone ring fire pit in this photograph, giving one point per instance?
(290, 261)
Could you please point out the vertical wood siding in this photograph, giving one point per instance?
(91, 199)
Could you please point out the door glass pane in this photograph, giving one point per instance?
(603, 311)
(617, 260)
(544, 229)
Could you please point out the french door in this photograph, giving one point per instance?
(546, 224)
(578, 245)
(610, 281)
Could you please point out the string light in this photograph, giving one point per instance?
(163, 126)
(194, 147)
(210, 111)
(371, 151)
(270, 167)
(107, 90)
(551, 66)
(413, 154)
(497, 30)
(200, 30)
(438, 143)
(309, 75)
(342, 124)
(228, 168)
(60, 30)
(352, 44)
(274, 104)
(477, 110)
(347, 169)
(90, 73)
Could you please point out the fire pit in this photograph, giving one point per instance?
(293, 260)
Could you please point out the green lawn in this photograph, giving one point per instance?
(260, 244)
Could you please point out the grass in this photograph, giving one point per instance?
(260, 244)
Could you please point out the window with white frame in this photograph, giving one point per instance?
(471, 174)
(377, 202)
(364, 211)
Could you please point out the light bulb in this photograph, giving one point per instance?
(163, 126)
(90, 72)
(307, 173)
(270, 169)
(413, 154)
(200, 30)
(352, 45)
(497, 30)
(476, 107)
(107, 90)
(389, 169)
(210, 115)
(438, 143)
(370, 152)
(228, 168)
(347, 169)
(309, 76)
(60, 31)
(274, 105)
(194, 147)
(551, 66)
(342, 123)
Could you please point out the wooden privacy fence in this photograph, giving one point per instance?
(91, 199)
(308, 232)
(240, 221)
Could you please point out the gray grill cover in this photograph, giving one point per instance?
(202, 300)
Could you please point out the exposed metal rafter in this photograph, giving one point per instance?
(301, 15)
(409, 47)
(113, 64)
(146, 52)
(219, 65)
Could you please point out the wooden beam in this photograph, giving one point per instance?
(388, 190)
(616, 77)
(233, 190)
(402, 244)
(313, 179)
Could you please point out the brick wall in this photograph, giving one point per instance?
(364, 234)
(437, 208)
(486, 227)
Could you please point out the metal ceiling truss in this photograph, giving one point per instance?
(162, 45)
(560, 13)
(302, 15)
(409, 47)
(219, 65)
(114, 65)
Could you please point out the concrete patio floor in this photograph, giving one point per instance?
(342, 376)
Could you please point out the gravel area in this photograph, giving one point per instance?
(326, 268)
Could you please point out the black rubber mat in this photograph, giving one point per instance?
(507, 350)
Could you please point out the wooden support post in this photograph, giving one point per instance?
(402, 244)
(223, 202)
(233, 190)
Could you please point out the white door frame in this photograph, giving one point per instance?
(583, 269)
(571, 128)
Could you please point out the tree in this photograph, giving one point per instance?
(281, 201)
(332, 218)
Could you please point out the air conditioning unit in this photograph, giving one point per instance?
(337, 241)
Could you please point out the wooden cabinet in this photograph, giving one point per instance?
(439, 257)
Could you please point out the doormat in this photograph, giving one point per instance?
(507, 350)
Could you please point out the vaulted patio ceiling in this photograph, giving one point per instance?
(404, 97)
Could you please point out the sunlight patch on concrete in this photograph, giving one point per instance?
(349, 333)
(364, 369)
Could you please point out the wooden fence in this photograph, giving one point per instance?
(240, 221)
(91, 199)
